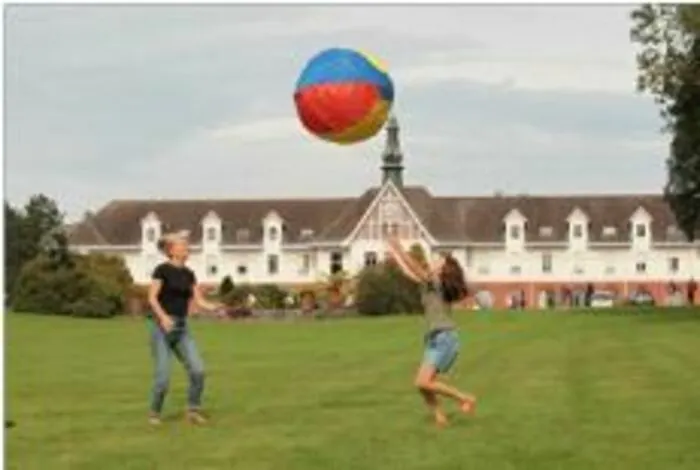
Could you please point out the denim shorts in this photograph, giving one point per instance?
(441, 350)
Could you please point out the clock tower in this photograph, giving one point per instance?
(392, 158)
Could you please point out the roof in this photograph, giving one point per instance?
(476, 219)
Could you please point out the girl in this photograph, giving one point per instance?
(441, 286)
(172, 296)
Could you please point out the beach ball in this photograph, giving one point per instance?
(343, 96)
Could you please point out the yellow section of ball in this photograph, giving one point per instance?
(366, 128)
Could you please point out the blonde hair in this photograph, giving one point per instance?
(168, 239)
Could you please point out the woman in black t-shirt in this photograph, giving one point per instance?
(172, 296)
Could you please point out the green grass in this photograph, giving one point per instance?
(557, 391)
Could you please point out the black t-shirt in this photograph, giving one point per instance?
(177, 289)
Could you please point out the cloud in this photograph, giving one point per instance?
(110, 102)
(263, 130)
(535, 75)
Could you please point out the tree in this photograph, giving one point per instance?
(13, 240)
(384, 290)
(418, 254)
(226, 286)
(669, 70)
(94, 285)
(35, 229)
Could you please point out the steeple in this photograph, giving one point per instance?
(392, 158)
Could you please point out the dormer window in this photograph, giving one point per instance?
(273, 233)
(151, 235)
(577, 231)
(640, 230)
(514, 232)
(211, 234)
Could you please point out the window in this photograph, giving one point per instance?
(370, 258)
(577, 231)
(394, 229)
(640, 230)
(546, 231)
(242, 235)
(336, 262)
(514, 232)
(242, 269)
(211, 234)
(272, 233)
(305, 263)
(609, 231)
(212, 270)
(578, 270)
(273, 264)
(483, 269)
(151, 235)
(306, 234)
(610, 270)
(546, 263)
(674, 264)
(515, 269)
(385, 230)
(640, 267)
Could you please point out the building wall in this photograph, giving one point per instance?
(483, 265)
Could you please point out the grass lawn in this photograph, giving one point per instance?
(557, 391)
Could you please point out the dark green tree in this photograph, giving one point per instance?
(668, 63)
(13, 241)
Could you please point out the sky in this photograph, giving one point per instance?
(132, 102)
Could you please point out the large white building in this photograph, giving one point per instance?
(505, 243)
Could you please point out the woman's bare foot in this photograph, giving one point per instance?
(154, 420)
(468, 406)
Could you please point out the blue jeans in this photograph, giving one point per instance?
(163, 346)
(441, 350)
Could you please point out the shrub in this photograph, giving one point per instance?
(226, 286)
(91, 286)
(384, 290)
(270, 296)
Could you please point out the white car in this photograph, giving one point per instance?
(603, 299)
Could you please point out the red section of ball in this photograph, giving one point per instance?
(331, 108)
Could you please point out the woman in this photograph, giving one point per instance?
(441, 286)
(173, 295)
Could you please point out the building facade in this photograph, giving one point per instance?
(506, 244)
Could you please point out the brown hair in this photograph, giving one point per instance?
(453, 283)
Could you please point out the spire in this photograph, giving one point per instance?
(392, 158)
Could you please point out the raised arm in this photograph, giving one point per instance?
(406, 263)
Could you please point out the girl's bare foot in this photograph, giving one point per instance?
(468, 406)
(441, 420)
(196, 417)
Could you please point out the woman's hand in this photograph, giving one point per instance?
(167, 324)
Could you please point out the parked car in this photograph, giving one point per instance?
(602, 299)
(641, 298)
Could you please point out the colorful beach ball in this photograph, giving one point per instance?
(343, 96)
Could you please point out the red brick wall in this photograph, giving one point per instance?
(500, 290)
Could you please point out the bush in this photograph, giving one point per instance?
(270, 296)
(226, 286)
(384, 290)
(90, 286)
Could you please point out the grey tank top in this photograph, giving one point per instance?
(438, 314)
